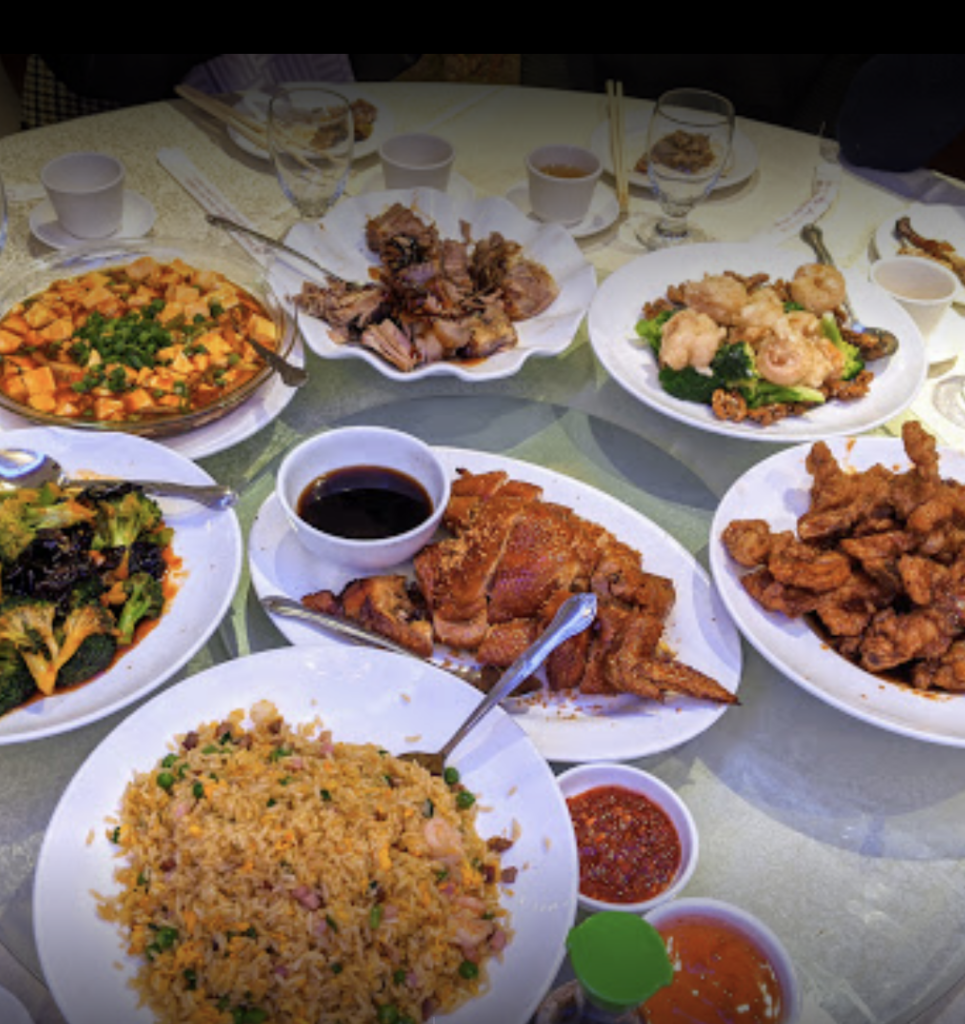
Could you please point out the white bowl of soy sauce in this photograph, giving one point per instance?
(363, 498)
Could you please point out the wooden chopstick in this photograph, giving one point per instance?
(614, 91)
(247, 126)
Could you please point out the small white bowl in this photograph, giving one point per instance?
(362, 446)
(922, 286)
(754, 928)
(591, 776)
(417, 160)
(562, 199)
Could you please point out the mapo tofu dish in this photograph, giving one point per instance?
(147, 340)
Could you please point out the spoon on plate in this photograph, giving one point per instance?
(887, 341)
(574, 615)
(231, 225)
(20, 467)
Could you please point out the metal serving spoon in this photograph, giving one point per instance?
(887, 341)
(231, 225)
(292, 376)
(481, 678)
(574, 615)
(20, 467)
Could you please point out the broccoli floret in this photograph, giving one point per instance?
(854, 361)
(123, 517)
(689, 384)
(145, 600)
(30, 627)
(734, 363)
(94, 655)
(16, 682)
(25, 512)
(651, 330)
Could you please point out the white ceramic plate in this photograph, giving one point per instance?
(777, 490)
(12, 1011)
(255, 104)
(617, 308)
(340, 246)
(742, 164)
(209, 543)
(362, 696)
(577, 729)
(938, 221)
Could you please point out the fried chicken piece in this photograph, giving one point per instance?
(945, 673)
(807, 566)
(894, 639)
(385, 604)
(669, 675)
(773, 596)
(748, 541)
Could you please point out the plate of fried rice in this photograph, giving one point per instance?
(248, 847)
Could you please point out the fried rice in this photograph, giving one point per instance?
(267, 873)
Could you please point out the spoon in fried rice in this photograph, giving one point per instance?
(574, 615)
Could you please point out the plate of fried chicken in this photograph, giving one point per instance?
(660, 664)
(843, 564)
(429, 283)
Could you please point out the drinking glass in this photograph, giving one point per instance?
(688, 145)
(311, 136)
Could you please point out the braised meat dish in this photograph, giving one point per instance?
(491, 586)
(432, 298)
(877, 562)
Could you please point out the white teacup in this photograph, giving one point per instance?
(562, 179)
(417, 160)
(923, 287)
(86, 191)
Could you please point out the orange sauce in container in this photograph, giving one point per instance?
(720, 977)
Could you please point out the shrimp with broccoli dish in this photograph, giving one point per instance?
(757, 349)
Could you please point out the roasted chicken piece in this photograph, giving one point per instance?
(494, 584)
(384, 604)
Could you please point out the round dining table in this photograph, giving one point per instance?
(847, 839)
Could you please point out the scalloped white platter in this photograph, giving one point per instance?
(338, 244)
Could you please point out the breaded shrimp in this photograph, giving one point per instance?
(690, 338)
(720, 296)
(818, 288)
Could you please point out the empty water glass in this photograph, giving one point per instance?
(311, 136)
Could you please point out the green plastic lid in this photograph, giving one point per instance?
(620, 960)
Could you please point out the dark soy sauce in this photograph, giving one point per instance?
(364, 503)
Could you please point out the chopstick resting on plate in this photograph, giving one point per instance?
(614, 92)
(250, 128)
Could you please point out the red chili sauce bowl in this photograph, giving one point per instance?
(728, 966)
(636, 839)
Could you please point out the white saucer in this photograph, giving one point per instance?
(459, 188)
(947, 341)
(604, 210)
(12, 1011)
(138, 218)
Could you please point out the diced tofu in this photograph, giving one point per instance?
(39, 315)
(262, 329)
(96, 296)
(59, 330)
(142, 268)
(39, 379)
(45, 401)
(9, 342)
(171, 311)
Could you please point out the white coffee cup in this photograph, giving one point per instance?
(562, 179)
(417, 160)
(86, 191)
(921, 286)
